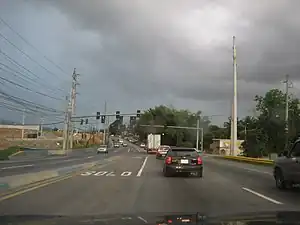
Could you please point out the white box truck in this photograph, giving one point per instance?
(153, 142)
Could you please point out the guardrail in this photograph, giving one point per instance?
(248, 160)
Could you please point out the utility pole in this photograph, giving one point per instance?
(41, 125)
(104, 133)
(66, 125)
(23, 123)
(233, 138)
(73, 104)
(197, 131)
(288, 84)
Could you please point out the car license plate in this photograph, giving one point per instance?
(184, 161)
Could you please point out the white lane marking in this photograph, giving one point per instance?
(262, 196)
(115, 150)
(90, 157)
(111, 174)
(258, 171)
(101, 173)
(129, 150)
(126, 174)
(138, 149)
(14, 167)
(62, 161)
(142, 167)
(88, 173)
(142, 219)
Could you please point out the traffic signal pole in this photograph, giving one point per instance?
(104, 133)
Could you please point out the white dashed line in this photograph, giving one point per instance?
(142, 167)
(14, 167)
(262, 196)
(142, 219)
(129, 150)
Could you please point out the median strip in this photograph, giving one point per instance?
(248, 160)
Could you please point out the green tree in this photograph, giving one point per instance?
(169, 116)
(266, 133)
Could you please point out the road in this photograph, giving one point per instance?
(12, 167)
(132, 183)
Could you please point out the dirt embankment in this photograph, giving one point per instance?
(12, 137)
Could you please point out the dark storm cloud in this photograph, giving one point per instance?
(148, 43)
(154, 51)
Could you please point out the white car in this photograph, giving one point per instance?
(102, 149)
(142, 145)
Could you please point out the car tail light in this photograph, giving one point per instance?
(199, 160)
(168, 160)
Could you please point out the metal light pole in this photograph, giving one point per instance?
(233, 138)
(197, 131)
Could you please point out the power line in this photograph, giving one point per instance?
(28, 56)
(28, 89)
(23, 67)
(29, 103)
(27, 42)
(35, 112)
(24, 76)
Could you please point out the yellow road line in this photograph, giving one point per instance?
(32, 188)
(43, 184)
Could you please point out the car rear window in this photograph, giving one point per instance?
(183, 153)
(165, 148)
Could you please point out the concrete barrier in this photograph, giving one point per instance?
(248, 159)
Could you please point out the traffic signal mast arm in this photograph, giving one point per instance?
(93, 116)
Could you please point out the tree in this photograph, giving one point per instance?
(266, 133)
(169, 116)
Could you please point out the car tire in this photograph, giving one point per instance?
(166, 173)
(200, 174)
(280, 182)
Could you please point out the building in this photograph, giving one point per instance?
(222, 147)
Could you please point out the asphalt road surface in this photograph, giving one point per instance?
(10, 168)
(132, 183)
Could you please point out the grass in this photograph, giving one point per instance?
(4, 154)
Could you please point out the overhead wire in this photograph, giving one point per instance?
(28, 89)
(28, 103)
(30, 106)
(27, 42)
(28, 56)
(25, 77)
(12, 61)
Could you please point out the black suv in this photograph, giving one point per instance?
(183, 160)
(287, 167)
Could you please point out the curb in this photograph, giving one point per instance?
(16, 153)
(265, 162)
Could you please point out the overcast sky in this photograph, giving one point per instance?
(136, 54)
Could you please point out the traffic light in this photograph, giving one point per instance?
(86, 121)
(81, 121)
(132, 118)
(98, 116)
(138, 113)
(117, 115)
(102, 119)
